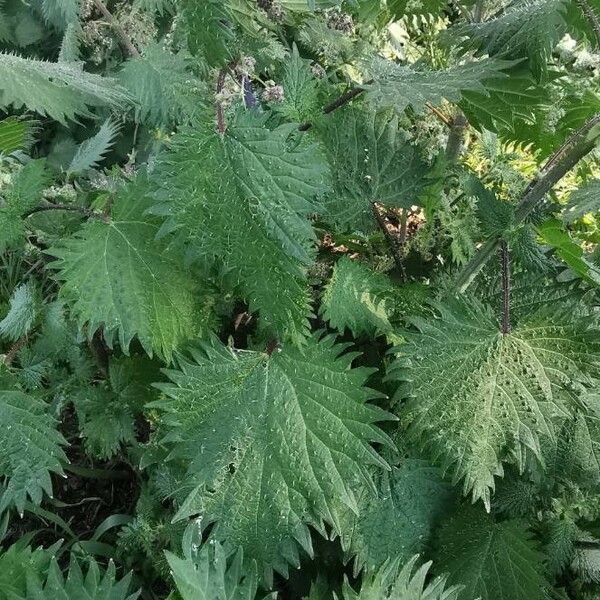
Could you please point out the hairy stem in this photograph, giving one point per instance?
(456, 139)
(393, 243)
(219, 102)
(9, 357)
(121, 34)
(337, 103)
(559, 164)
(591, 16)
(505, 258)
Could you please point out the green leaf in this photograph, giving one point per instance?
(107, 414)
(90, 584)
(5, 29)
(22, 194)
(496, 216)
(163, 88)
(301, 90)
(491, 560)
(61, 13)
(208, 28)
(560, 535)
(579, 448)
(528, 29)
(70, 45)
(24, 309)
(308, 5)
(400, 8)
(61, 91)
(398, 520)
(28, 184)
(260, 184)
(401, 86)
(17, 564)
(15, 134)
(273, 443)
(476, 398)
(507, 104)
(115, 275)
(155, 6)
(371, 161)
(211, 576)
(93, 150)
(395, 581)
(584, 200)
(357, 298)
(554, 234)
(30, 446)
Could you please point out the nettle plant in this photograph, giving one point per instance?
(299, 299)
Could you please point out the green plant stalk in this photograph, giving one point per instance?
(505, 260)
(456, 138)
(592, 17)
(561, 162)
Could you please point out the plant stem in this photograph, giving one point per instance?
(219, 102)
(391, 240)
(591, 16)
(271, 347)
(96, 473)
(123, 37)
(479, 11)
(455, 145)
(339, 102)
(559, 164)
(505, 287)
(44, 207)
(344, 99)
(14, 350)
(100, 351)
(576, 151)
(439, 114)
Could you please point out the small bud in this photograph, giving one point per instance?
(247, 65)
(340, 21)
(276, 13)
(318, 71)
(273, 93)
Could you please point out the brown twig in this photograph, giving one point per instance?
(439, 114)
(121, 34)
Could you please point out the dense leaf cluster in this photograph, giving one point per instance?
(299, 299)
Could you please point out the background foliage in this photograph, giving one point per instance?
(299, 299)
